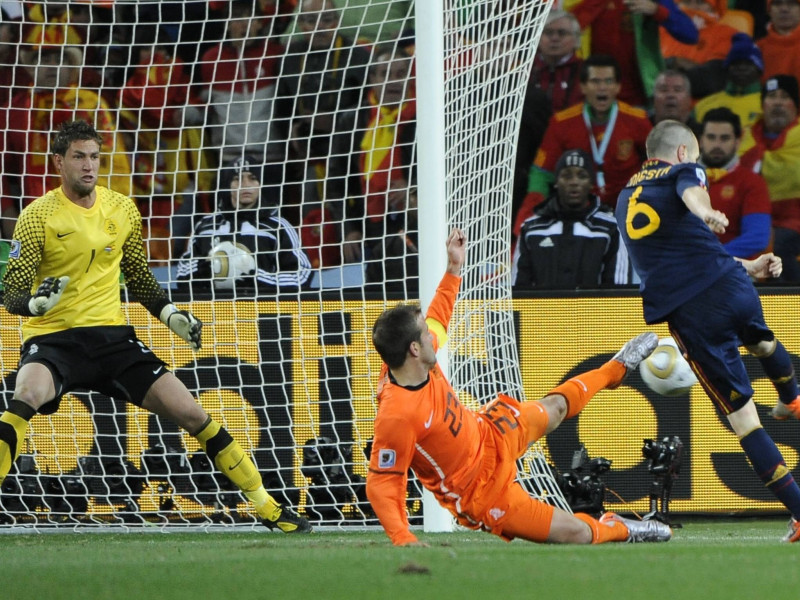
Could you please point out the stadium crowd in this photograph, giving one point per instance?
(323, 105)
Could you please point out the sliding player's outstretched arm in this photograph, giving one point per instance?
(388, 476)
(441, 307)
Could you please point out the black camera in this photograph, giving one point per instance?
(664, 462)
(21, 490)
(212, 488)
(333, 484)
(664, 456)
(112, 480)
(582, 486)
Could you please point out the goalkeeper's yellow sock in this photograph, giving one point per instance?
(13, 425)
(579, 390)
(230, 458)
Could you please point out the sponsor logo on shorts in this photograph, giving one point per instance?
(34, 349)
(386, 459)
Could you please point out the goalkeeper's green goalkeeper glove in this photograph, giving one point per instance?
(47, 295)
(183, 324)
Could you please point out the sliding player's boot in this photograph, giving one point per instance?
(635, 351)
(641, 531)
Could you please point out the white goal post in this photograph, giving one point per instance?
(368, 147)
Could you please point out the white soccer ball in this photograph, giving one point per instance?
(230, 262)
(665, 371)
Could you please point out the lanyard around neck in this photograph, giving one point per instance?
(599, 152)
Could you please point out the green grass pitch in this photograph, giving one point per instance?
(707, 560)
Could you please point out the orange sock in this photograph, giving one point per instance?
(613, 531)
(579, 390)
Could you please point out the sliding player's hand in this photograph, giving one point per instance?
(47, 295)
(183, 324)
(456, 251)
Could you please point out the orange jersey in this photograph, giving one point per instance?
(429, 430)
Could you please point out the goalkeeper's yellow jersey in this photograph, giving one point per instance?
(56, 237)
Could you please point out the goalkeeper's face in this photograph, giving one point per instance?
(78, 167)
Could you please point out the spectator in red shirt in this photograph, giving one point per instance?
(385, 158)
(239, 77)
(629, 31)
(772, 146)
(611, 131)
(735, 190)
(35, 113)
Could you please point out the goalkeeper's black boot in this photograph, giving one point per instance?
(289, 521)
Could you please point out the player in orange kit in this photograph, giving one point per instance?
(466, 458)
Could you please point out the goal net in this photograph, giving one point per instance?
(315, 101)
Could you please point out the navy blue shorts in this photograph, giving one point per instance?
(711, 327)
(109, 360)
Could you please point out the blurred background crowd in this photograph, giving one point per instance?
(286, 128)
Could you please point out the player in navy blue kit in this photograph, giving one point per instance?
(707, 297)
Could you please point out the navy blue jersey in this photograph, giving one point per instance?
(674, 253)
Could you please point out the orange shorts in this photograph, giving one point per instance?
(496, 502)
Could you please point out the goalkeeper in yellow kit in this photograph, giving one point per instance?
(63, 272)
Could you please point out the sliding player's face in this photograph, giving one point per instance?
(79, 166)
(427, 354)
(718, 144)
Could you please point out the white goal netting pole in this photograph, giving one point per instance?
(488, 52)
(432, 184)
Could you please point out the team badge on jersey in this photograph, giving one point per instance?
(13, 251)
(625, 149)
(386, 459)
(110, 227)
